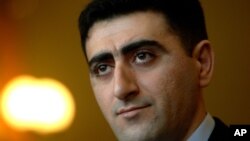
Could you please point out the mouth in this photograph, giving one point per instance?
(131, 111)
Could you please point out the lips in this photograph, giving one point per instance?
(130, 109)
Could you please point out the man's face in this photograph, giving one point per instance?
(144, 82)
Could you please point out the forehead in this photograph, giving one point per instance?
(111, 35)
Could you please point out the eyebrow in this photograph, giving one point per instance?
(100, 57)
(126, 50)
(141, 43)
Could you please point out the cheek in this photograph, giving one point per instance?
(157, 81)
(170, 85)
(103, 97)
(159, 85)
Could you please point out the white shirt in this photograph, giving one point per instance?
(204, 130)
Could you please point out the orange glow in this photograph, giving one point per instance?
(40, 105)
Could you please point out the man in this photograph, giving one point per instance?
(149, 61)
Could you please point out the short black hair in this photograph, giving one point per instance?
(185, 17)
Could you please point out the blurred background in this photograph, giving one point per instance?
(40, 39)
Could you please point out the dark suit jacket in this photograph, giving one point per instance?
(220, 132)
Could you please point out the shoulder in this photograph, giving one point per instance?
(220, 132)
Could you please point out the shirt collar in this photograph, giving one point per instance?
(204, 130)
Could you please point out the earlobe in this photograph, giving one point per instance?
(204, 55)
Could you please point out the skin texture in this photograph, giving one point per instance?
(146, 85)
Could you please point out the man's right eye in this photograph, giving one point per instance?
(102, 69)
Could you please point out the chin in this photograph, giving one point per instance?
(144, 132)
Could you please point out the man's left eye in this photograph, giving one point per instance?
(143, 57)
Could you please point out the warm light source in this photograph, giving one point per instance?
(40, 105)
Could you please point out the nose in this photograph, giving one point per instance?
(125, 86)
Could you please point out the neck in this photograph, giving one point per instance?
(198, 118)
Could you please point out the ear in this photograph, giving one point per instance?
(204, 56)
